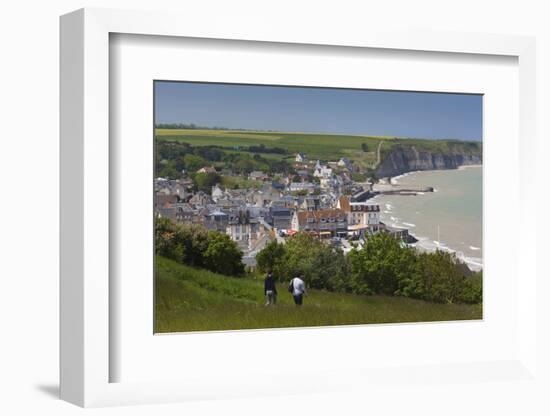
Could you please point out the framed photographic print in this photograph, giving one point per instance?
(261, 190)
(227, 197)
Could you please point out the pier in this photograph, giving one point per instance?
(394, 189)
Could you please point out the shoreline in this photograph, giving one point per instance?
(426, 243)
(461, 167)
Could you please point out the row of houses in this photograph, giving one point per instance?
(254, 216)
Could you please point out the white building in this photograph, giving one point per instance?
(322, 171)
(361, 215)
(301, 186)
(249, 233)
(217, 192)
(331, 182)
(345, 163)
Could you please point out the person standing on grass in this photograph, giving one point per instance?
(298, 289)
(270, 290)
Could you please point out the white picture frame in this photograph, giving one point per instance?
(86, 356)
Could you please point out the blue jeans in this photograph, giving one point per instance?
(298, 299)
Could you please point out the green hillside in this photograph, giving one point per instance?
(315, 146)
(190, 299)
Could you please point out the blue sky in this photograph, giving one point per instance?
(320, 110)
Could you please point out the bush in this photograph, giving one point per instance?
(385, 266)
(323, 266)
(472, 289)
(223, 255)
(382, 266)
(195, 246)
(205, 181)
(439, 278)
(271, 258)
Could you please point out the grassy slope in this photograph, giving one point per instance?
(316, 146)
(188, 299)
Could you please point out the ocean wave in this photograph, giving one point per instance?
(474, 248)
(474, 263)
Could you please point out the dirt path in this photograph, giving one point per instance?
(378, 154)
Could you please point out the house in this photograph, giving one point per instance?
(265, 196)
(200, 199)
(331, 182)
(278, 186)
(216, 221)
(217, 192)
(323, 223)
(302, 173)
(167, 211)
(247, 232)
(207, 169)
(322, 171)
(302, 186)
(310, 204)
(161, 199)
(301, 158)
(184, 213)
(398, 233)
(360, 215)
(281, 217)
(258, 176)
(345, 163)
(285, 201)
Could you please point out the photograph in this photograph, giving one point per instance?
(300, 206)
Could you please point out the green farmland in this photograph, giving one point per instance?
(315, 146)
(189, 299)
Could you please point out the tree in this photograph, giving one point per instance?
(271, 258)
(166, 242)
(223, 255)
(194, 245)
(168, 170)
(205, 181)
(209, 153)
(193, 162)
(364, 147)
(472, 289)
(322, 266)
(439, 278)
(382, 266)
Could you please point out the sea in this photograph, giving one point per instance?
(450, 218)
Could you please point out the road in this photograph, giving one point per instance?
(378, 154)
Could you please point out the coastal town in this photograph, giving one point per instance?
(318, 198)
(306, 215)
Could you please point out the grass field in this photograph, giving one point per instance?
(315, 146)
(189, 299)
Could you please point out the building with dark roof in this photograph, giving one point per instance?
(323, 223)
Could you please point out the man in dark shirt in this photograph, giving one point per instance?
(270, 290)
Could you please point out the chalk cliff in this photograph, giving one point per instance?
(407, 158)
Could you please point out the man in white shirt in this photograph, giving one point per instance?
(298, 289)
